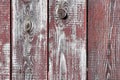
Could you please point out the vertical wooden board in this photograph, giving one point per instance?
(29, 34)
(103, 40)
(4, 39)
(67, 40)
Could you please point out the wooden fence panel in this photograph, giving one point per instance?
(103, 39)
(29, 34)
(67, 39)
(4, 39)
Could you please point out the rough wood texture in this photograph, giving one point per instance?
(104, 40)
(29, 31)
(4, 39)
(67, 40)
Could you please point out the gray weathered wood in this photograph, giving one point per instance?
(67, 40)
(29, 34)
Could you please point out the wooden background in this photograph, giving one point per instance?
(103, 39)
(36, 44)
(67, 41)
(29, 40)
(4, 39)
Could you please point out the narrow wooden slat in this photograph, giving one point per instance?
(29, 34)
(4, 39)
(67, 40)
(104, 40)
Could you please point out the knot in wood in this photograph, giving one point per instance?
(28, 26)
(62, 14)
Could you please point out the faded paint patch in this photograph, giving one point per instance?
(6, 48)
(67, 41)
(29, 47)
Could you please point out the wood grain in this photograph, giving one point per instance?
(4, 39)
(67, 40)
(29, 32)
(104, 40)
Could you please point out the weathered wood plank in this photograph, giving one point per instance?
(67, 40)
(103, 40)
(29, 33)
(4, 39)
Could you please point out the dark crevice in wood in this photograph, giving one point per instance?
(10, 39)
(108, 69)
(47, 39)
(87, 39)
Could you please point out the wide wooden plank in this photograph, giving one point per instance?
(67, 40)
(29, 38)
(4, 39)
(104, 40)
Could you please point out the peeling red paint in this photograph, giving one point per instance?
(4, 40)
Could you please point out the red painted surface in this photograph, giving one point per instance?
(29, 31)
(4, 39)
(67, 41)
(104, 40)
